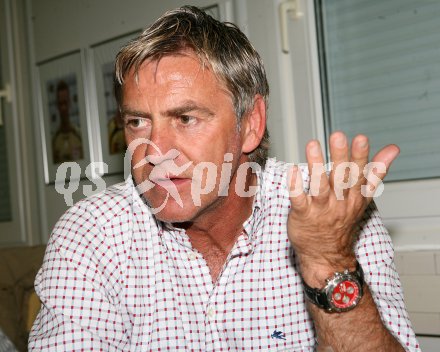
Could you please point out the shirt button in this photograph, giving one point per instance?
(192, 256)
(210, 312)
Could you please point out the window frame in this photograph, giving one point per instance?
(409, 208)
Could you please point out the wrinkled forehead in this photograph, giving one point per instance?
(154, 64)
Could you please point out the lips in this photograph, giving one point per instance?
(169, 174)
(167, 182)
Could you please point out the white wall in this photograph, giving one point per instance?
(62, 26)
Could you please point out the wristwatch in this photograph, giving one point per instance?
(341, 293)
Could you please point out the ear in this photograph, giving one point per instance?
(254, 125)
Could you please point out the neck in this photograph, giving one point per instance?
(220, 227)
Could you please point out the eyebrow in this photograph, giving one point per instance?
(125, 111)
(184, 108)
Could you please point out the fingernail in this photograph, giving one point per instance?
(363, 143)
(315, 150)
(341, 141)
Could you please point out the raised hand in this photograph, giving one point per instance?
(323, 224)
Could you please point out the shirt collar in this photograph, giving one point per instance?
(251, 225)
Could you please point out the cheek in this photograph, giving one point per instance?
(137, 156)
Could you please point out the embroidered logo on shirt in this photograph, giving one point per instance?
(278, 335)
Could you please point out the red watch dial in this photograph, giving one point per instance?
(345, 294)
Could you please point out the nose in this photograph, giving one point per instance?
(158, 159)
(161, 145)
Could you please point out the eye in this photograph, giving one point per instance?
(186, 120)
(136, 123)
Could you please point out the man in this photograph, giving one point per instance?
(204, 250)
(66, 143)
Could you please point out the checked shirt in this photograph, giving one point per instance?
(116, 279)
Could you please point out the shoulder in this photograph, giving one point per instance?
(101, 214)
(97, 232)
(104, 205)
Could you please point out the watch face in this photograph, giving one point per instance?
(345, 294)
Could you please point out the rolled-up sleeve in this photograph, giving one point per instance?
(375, 253)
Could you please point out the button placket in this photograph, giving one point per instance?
(211, 312)
(192, 255)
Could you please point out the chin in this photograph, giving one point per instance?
(175, 217)
(172, 212)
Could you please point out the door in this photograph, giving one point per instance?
(12, 219)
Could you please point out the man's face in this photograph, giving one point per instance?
(63, 103)
(188, 117)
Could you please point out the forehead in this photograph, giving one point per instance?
(177, 68)
(174, 81)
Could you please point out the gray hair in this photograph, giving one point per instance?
(221, 45)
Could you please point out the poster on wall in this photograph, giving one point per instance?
(111, 126)
(63, 115)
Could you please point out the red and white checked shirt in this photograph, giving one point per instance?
(114, 279)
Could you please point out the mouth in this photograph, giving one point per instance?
(171, 181)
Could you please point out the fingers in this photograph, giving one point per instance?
(298, 199)
(340, 179)
(338, 148)
(377, 169)
(319, 185)
(351, 170)
(387, 155)
(360, 149)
